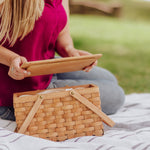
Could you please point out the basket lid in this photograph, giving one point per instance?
(60, 65)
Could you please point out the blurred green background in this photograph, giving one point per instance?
(124, 42)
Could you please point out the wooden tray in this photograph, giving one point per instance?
(59, 65)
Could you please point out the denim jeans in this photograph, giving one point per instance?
(7, 113)
(111, 94)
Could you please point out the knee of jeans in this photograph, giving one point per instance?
(113, 101)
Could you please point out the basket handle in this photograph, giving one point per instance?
(31, 115)
(91, 106)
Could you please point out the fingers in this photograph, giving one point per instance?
(82, 53)
(76, 52)
(73, 53)
(17, 76)
(23, 59)
(15, 71)
(95, 63)
(89, 68)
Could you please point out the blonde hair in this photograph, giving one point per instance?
(18, 18)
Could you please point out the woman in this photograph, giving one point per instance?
(33, 30)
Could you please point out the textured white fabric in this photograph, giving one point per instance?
(132, 131)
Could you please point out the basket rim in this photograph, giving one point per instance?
(89, 88)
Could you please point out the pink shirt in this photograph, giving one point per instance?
(37, 45)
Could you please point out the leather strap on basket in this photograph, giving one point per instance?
(92, 107)
(31, 115)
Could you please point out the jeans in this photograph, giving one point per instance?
(111, 94)
(7, 113)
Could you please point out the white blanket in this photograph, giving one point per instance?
(132, 131)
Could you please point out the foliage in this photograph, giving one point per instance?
(123, 43)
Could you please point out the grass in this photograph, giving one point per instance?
(125, 45)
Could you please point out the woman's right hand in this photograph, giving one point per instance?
(15, 70)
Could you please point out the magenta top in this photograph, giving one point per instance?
(39, 44)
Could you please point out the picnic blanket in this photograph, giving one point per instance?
(131, 132)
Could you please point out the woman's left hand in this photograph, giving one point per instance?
(75, 52)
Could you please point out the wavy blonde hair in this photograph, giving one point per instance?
(18, 18)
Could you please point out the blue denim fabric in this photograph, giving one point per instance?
(7, 113)
(111, 94)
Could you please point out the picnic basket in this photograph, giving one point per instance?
(60, 114)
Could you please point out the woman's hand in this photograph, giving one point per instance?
(75, 52)
(15, 71)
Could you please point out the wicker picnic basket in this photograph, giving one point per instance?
(60, 114)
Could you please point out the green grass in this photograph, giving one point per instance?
(125, 46)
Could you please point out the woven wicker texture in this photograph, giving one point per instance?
(60, 116)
